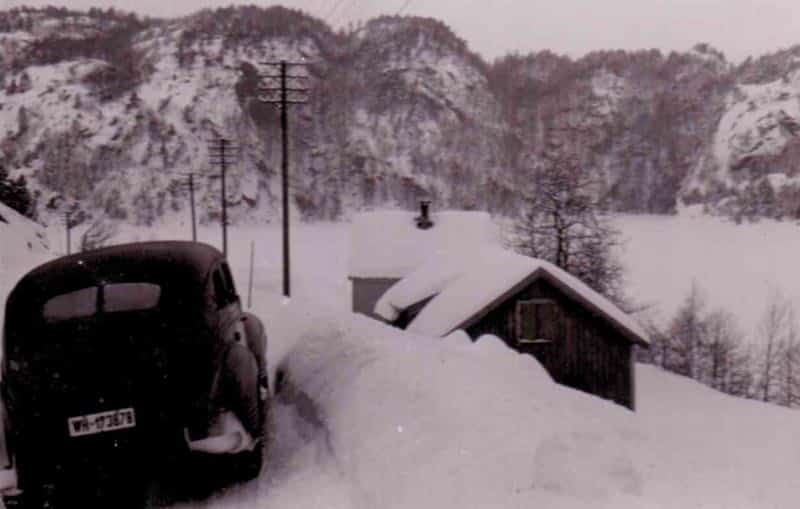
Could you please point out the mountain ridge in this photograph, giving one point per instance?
(112, 110)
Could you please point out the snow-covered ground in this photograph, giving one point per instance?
(736, 267)
(381, 418)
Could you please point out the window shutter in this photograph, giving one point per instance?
(526, 321)
(537, 321)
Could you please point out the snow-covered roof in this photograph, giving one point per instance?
(465, 285)
(388, 243)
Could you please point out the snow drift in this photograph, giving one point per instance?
(416, 422)
(412, 421)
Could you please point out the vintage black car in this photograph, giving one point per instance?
(128, 363)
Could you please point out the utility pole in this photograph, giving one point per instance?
(221, 151)
(68, 224)
(277, 89)
(73, 216)
(250, 282)
(190, 183)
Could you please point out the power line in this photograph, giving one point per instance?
(404, 7)
(332, 10)
(343, 12)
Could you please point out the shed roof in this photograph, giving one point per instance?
(388, 243)
(466, 287)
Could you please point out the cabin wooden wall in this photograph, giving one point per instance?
(367, 291)
(588, 355)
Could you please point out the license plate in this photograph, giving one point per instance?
(101, 422)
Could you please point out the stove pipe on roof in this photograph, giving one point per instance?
(424, 220)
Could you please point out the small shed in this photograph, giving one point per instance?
(581, 338)
(387, 245)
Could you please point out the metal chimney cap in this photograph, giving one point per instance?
(424, 221)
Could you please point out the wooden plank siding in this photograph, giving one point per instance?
(588, 353)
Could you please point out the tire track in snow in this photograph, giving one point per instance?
(300, 471)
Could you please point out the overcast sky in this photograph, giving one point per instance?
(495, 27)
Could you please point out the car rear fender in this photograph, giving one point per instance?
(8, 471)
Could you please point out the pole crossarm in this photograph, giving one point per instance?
(279, 89)
(284, 62)
(284, 87)
(279, 102)
(288, 76)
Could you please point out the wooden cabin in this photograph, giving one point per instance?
(581, 338)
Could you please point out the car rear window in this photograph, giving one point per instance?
(78, 304)
(130, 296)
(117, 297)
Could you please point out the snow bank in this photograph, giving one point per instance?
(410, 421)
(710, 450)
(415, 422)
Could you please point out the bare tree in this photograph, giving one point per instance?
(773, 329)
(659, 345)
(739, 379)
(723, 362)
(564, 222)
(97, 235)
(789, 378)
(686, 331)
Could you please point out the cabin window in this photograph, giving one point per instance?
(78, 304)
(536, 321)
(130, 296)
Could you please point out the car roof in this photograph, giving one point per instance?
(170, 263)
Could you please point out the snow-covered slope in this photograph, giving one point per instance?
(23, 245)
(402, 421)
(380, 417)
(20, 233)
(119, 133)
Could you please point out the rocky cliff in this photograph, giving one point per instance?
(112, 111)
